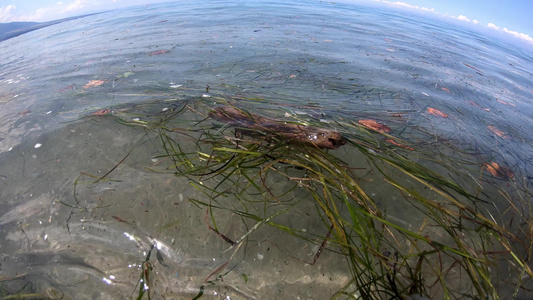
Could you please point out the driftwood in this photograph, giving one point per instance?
(252, 124)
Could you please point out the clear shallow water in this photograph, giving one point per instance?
(343, 61)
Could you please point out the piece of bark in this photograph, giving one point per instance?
(249, 123)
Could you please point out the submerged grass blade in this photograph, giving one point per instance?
(243, 175)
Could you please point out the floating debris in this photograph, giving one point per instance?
(67, 88)
(24, 112)
(253, 124)
(496, 170)
(437, 112)
(93, 83)
(478, 71)
(102, 112)
(372, 124)
(498, 132)
(398, 144)
(159, 52)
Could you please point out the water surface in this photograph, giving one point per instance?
(309, 58)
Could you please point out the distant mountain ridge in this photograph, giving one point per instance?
(7, 27)
(13, 29)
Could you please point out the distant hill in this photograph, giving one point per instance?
(9, 30)
(13, 29)
(7, 27)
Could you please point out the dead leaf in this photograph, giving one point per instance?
(498, 132)
(479, 72)
(496, 170)
(398, 144)
(120, 219)
(503, 102)
(24, 112)
(93, 83)
(68, 87)
(445, 89)
(372, 124)
(102, 112)
(159, 52)
(437, 112)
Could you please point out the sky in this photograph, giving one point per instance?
(511, 18)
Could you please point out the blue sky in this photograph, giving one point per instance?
(510, 18)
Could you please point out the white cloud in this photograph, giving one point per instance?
(403, 4)
(493, 26)
(5, 13)
(76, 5)
(462, 18)
(517, 34)
(59, 10)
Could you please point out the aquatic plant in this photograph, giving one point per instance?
(459, 243)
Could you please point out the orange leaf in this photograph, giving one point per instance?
(445, 89)
(498, 132)
(496, 170)
(503, 102)
(93, 83)
(437, 112)
(372, 124)
(159, 52)
(102, 112)
(398, 144)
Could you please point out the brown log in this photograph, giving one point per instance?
(252, 123)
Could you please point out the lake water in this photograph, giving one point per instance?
(442, 88)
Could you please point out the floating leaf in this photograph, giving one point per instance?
(68, 87)
(93, 83)
(498, 132)
(445, 89)
(159, 52)
(372, 124)
(503, 102)
(437, 112)
(24, 112)
(496, 170)
(479, 72)
(398, 144)
(102, 112)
